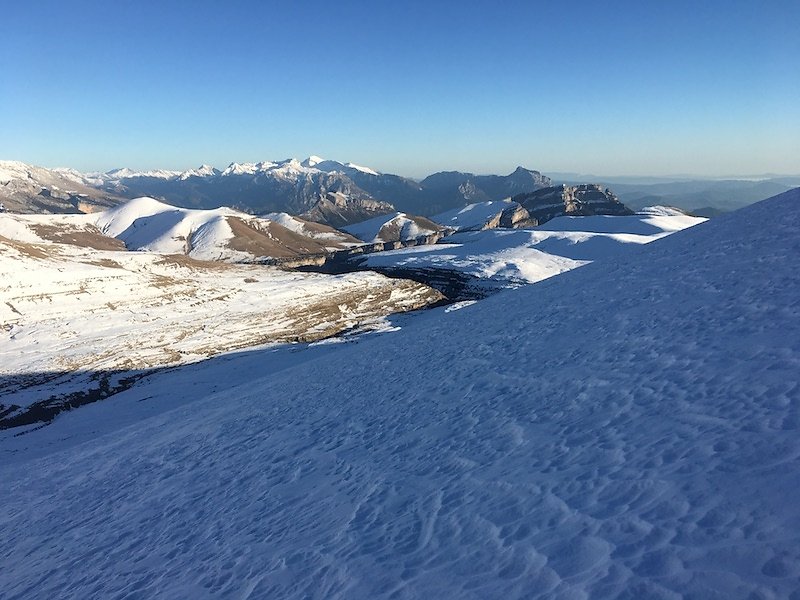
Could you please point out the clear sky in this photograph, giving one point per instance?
(412, 87)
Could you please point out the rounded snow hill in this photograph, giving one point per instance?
(393, 228)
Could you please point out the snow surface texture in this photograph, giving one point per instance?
(518, 256)
(626, 430)
(308, 229)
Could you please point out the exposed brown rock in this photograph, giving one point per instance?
(570, 200)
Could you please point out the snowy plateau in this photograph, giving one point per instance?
(626, 429)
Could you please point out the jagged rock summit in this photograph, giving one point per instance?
(571, 201)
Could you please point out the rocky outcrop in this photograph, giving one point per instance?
(570, 200)
(514, 217)
(337, 209)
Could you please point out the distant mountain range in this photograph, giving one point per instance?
(342, 193)
(322, 190)
(28, 189)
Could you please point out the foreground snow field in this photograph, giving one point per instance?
(625, 430)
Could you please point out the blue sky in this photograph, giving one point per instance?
(615, 88)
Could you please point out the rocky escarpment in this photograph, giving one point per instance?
(337, 210)
(570, 200)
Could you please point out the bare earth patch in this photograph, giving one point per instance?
(86, 237)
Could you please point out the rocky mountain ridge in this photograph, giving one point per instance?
(571, 201)
(326, 191)
(29, 189)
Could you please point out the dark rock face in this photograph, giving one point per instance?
(570, 200)
(338, 210)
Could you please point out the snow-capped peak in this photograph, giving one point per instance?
(366, 170)
(328, 165)
(201, 171)
(240, 169)
(312, 161)
(125, 173)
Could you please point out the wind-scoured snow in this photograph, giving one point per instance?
(625, 430)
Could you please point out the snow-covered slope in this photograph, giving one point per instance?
(514, 256)
(334, 165)
(474, 217)
(149, 225)
(312, 229)
(626, 430)
(68, 313)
